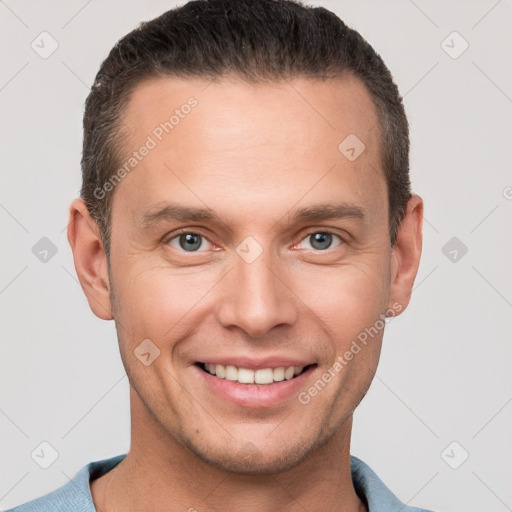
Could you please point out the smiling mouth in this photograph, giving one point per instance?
(263, 376)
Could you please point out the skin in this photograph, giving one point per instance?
(253, 154)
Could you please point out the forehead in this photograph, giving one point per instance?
(339, 104)
(252, 139)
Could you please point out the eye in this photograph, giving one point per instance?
(188, 241)
(320, 240)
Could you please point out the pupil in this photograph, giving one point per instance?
(190, 241)
(322, 240)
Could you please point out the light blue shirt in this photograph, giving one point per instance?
(75, 496)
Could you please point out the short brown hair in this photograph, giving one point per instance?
(257, 40)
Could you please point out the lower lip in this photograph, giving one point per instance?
(254, 396)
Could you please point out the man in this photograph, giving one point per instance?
(247, 221)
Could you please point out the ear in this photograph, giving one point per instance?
(90, 259)
(405, 256)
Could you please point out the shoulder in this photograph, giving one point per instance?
(75, 495)
(378, 496)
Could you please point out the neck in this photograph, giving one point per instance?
(159, 473)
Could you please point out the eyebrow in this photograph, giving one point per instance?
(169, 212)
(329, 211)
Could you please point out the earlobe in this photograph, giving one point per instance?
(406, 253)
(90, 259)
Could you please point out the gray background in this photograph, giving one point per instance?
(445, 369)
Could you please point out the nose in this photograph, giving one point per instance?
(256, 297)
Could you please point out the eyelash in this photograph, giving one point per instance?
(308, 234)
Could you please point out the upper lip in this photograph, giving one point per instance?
(256, 364)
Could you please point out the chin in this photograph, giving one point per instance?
(248, 459)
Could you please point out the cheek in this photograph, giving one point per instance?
(347, 299)
(157, 302)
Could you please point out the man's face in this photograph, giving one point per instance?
(252, 287)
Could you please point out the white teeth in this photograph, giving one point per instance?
(288, 373)
(265, 376)
(231, 372)
(279, 374)
(247, 376)
(220, 370)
